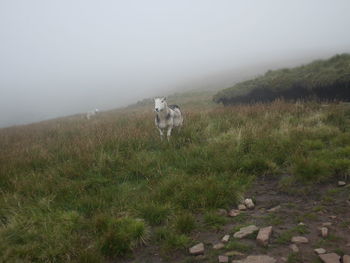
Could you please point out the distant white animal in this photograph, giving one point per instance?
(89, 114)
(167, 117)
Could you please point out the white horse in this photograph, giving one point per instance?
(167, 117)
(89, 114)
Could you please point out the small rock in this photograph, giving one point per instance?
(264, 236)
(197, 249)
(324, 231)
(222, 212)
(299, 240)
(249, 203)
(234, 212)
(274, 209)
(233, 253)
(218, 246)
(333, 217)
(223, 259)
(225, 238)
(301, 224)
(341, 183)
(327, 224)
(245, 231)
(283, 259)
(347, 245)
(294, 248)
(256, 259)
(330, 258)
(242, 207)
(346, 259)
(320, 250)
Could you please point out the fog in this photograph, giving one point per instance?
(65, 57)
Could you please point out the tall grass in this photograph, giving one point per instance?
(73, 190)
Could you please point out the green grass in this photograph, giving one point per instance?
(239, 246)
(212, 219)
(73, 190)
(286, 236)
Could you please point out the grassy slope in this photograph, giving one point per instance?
(73, 190)
(318, 74)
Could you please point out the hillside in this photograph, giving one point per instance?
(326, 80)
(108, 190)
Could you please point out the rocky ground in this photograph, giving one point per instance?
(279, 224)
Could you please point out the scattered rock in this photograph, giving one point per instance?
(234, 212)
(346, 259)
(324, 231)
(299, 240)
(223, 259)
(249, 203)
(256, 259)
(283, 259)
(341, 183)
(294, 248)
(225, 238)
(197, 249)
(274, 209)
(330, 258)
(327, 224)
(233, 253)
(218, 246)
(222, 212)
(246, 231)
(242, 207)
(320, 250)
(264, 236)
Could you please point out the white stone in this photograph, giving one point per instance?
(294, 248)
(218, 246)
(299, 240)
(256, 259)
(242, 207)
(330, 258)
(245, 231)
(264, 236)
(320, 250)
(324, 231)
(197, 249)
(274, 209)
(346, 259)
(234, 212)
(225, 238)
(249, 203)
(341, 183)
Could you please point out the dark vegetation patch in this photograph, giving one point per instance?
(324, 80)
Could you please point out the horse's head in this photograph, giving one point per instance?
(159, 104)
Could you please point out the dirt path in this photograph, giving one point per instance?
(312, 206)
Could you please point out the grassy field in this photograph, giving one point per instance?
(73, 190)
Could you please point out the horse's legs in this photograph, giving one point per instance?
(161, 133)
(169, 133)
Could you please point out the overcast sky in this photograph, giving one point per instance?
(69, 56)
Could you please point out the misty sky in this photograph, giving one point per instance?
(69, 56)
